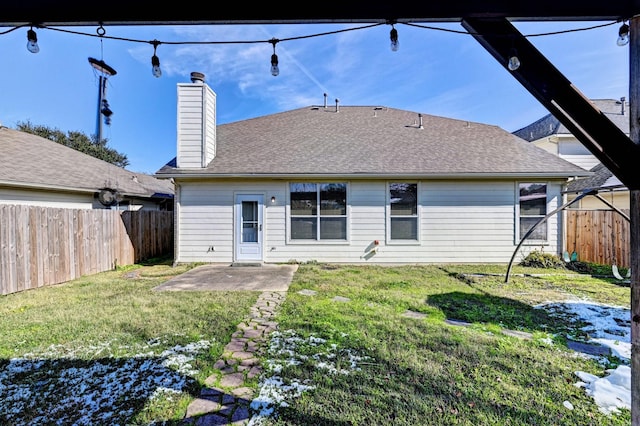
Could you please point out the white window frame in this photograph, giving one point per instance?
(518, 216)
(417, 216)
(347, 216)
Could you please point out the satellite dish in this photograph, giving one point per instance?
(109, 197)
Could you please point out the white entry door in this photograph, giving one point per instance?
(248, 234)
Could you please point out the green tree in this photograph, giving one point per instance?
(77, 140)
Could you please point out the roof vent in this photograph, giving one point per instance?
(325, 101)
(337, 106)
(197, 77)
(420, 126)
(622, 100)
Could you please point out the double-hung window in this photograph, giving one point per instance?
(532, 199)
(318, 211)
(403, 211)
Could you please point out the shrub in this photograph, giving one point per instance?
(538, 259)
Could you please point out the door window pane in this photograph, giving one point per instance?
(249, 222)
(249, 211)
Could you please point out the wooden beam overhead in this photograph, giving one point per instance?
(537, 74)
(145, 12)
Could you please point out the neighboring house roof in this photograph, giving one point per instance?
(34, 162)
(602, 179)
(616, 111)
(369, 142)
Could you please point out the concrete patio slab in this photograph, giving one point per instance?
(225, 277)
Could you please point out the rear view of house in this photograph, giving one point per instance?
(356, 184)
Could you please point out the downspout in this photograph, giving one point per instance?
(563, 225)
(176, 221)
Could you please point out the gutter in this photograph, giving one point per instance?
(466, 176)
(613, 188)
(44, 186)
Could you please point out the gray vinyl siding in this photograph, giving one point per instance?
(209, 136)
(47, 198)
(196, 128)
(459, 222)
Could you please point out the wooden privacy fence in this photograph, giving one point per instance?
(599, 236)
(41, 246)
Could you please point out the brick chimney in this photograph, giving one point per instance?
(196, 123)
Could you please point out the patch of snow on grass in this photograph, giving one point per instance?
(611, 392)
(56, 389)
(286, 348)
(606, 325)
(609, 326)
(274, 393)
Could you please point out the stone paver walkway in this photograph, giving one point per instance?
(225, 400)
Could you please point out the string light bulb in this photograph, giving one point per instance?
(32, 41)
(623, 35)
(274, 59)
(155, 61)
(513, 62)
(393, 35)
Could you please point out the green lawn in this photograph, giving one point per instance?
(410, 370)
(107, 349)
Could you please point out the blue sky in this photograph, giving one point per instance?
(433, 72)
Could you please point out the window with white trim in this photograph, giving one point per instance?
(532, 199)
(403, 211)
(318, 211)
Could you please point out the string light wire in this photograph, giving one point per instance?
(101, 33)
(571, 30)
(449, 30)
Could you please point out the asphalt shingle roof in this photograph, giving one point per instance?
(29, 159)
(372, 141)
(549, 125)
(602, 178)
(615, 110)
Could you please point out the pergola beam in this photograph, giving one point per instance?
(552, 89)
(145, 12)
